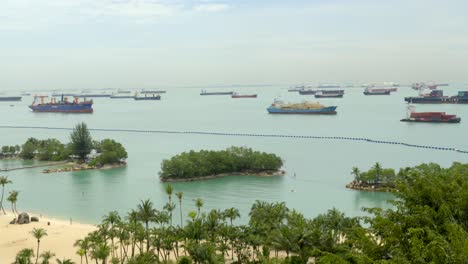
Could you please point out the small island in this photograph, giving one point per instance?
(81, 153)
(375, 179)
(233, 161)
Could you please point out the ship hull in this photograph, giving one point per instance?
(436, 100)
(328, 95)
(10, 99)
(417, 120)
(70, 108)
(377, 93)
(147, 98)
(331, 110)
(218, 93)
(244, 96)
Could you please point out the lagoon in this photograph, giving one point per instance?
(321, 166)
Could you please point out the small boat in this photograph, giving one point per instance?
(236, 95)
(328, 95)
(148, 97)
(430, 117)
(305, 108)
(10, 98)
(204, 92)
(368, 91)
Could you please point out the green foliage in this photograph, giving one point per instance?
(81, 141)
(46, 150)
(232, 160)
(24, 256)
(428, 224)
(9, 151)
(111, 152)
(184, 260)
(375, 176)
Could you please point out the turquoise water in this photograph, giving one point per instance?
(322, 167)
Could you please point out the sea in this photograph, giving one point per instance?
(317, 169)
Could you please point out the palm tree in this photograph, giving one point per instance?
(101, 252)
(112, 219)
(84, 245)
(24, 256)
(169, 190)
(13, 198)
(357, 173)
(46, 256)
(38, 233)
(80, 252)
(179, 196)
(3, 181)
(146, 213)
(65, 261)
(232, 213)
(378, 171)
(199, 204)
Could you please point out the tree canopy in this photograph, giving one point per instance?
(232, 160)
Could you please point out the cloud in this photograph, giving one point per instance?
(211, 7)
(34, 14)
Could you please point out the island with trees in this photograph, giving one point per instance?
(82, 152)
(376, 178)
(428, 223)
(233, 161)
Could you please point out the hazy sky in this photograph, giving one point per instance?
(81, 44)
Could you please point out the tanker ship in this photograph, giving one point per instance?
(308, 108)
(62, 105)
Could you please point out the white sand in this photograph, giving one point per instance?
(60, 237)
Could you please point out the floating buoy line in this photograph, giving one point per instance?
(368, 140)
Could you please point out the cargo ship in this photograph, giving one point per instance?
(437, 97)
(430, 117)
(62, 105)
(298, 88)
(368, 91)
(236, 95)
(10, 98)
(122, 96)
(328, 86)
(312, 92)
(203, 92)
(306, 108)
(148, 97)
(153, 91)
(328, 95)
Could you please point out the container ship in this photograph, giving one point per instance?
(236, 95)
(10, 98)
(430, 117)
(437, 97)
(203, 92)
(307, 108)
(62, 105)
(312, 92)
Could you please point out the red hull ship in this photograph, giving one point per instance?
(432, 117)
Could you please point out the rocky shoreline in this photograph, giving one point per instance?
(81, 167)
(369, 187)
(209, 177)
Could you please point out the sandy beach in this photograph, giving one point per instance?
(60, 238)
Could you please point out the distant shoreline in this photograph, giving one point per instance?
(221, 175)
(80, 167)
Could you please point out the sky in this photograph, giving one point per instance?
(88, 44)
